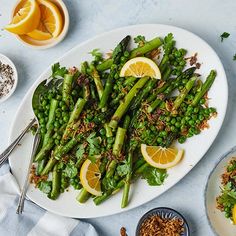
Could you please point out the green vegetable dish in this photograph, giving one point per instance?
(97, 115)
(226, 202)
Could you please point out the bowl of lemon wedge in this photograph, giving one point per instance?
(39, 23)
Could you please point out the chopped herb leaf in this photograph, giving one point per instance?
(224, 36)
(123, 169)
(70, 170)
(169, 43)
(45, 186)
(140, 40)
(57, 70)
(80, 151)
(108, 184)
(154, 176)
(234, 57)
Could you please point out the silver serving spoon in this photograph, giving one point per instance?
(42, 88)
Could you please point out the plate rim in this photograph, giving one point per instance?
(222, 158)
(10, 138)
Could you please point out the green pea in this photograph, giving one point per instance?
(110, 140)
(227, 214)
(57, 142)
(182, 51)
(102, 132)
(178, 124)
(194, 117)
(212, 110)
(43, 130)
(168, 119)
(196, 110)
(40, 115)
(61, 121)
(177, 54)
(183, 121)
(184, 81)
(178, 73)
(50, 96)
(123, 59)
(58, 97)
(65, 118)
(126, 54)
(174, 72)
(116, 76)
(172, 128)
(44, 103)
(181, 87)
(201, 117)
(163, 133)
(182, 139)
(189, 135)
(196, 131)
(191, 122)
(187, 118)
(202, 101)
(182, 63)
(64, 108)
(173, 120)
(159, 140)
(176, 64)
(47, 107)
(56, 124)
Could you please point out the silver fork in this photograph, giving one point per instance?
(20, 205)
(4, 156)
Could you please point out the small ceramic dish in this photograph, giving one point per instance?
(5, 60)
(43, 44)
(220, 225)
(164, 212)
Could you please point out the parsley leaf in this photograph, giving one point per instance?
(108, 184)
(154, 176)
(123, 169)
(224, 36)
(94, 145)
(70, 170)
(57, 70)
(234, 57)
(96, 54)
(169, 43)
(45, 186)
(80, 151)
(140, 40)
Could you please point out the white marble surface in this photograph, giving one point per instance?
(208, 19)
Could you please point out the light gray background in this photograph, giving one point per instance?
(208, 19)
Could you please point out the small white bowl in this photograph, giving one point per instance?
(43, 44)
(5, 60)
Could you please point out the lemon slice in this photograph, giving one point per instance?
(90, 177)
(140, 67)
(161, 157)
(234, 214)
(26, 17)
(40, 33)
(51, 21)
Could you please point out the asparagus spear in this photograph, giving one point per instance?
(125, 196)
(67, 87)
(97, 81)
(184, 93)
(74, 117)
(116, 55)
(56, 183)
(123, 107)
(205, 87)
(140, 51)
(83, 196)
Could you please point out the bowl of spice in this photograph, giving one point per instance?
(162, 221)
(8, 78)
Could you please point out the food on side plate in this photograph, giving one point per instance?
(226, 201)
(93, 126)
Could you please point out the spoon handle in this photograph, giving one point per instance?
(20, 205)
(4, 156)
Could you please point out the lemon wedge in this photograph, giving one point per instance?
(90, 176)
(26, 17)
(161, 157)
(140, 67)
